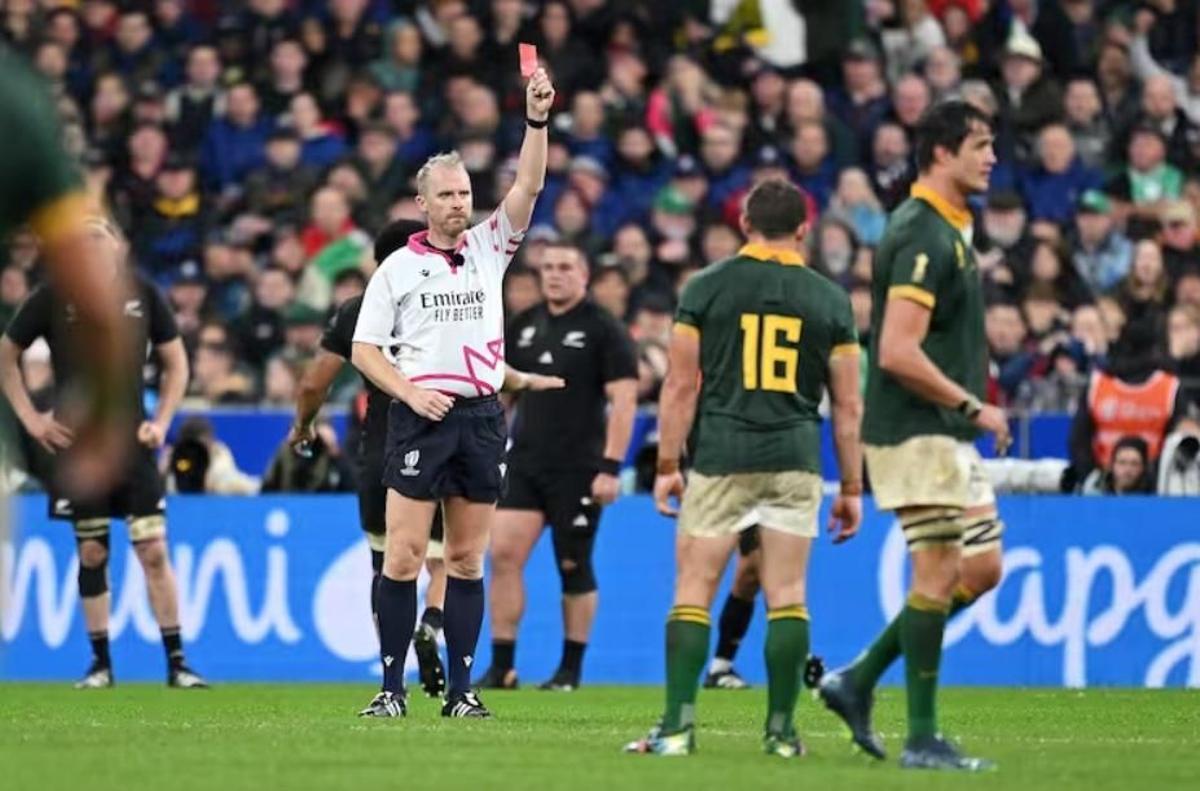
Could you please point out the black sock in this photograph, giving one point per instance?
(433, 618)
(464, 616)
(99, 642)
(504, 654)
(572, 657)
(735, 620)
(397, 619)
(376, 571)
(173, 644)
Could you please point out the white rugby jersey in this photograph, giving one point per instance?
(438, 317)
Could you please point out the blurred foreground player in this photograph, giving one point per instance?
(41, 187)
(439, 302)
(923, 412)
(566, 453)
(336, 349)
(758, 338)
(138, 498)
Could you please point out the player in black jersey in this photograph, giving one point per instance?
(564, 460)
(138, 497)
(336, 348)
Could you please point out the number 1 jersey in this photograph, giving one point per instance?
(768, 327)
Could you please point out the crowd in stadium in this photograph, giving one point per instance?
(250, 150)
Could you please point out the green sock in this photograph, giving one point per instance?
(921, 627)
(786, 651)
(688, 631)
(879, 656)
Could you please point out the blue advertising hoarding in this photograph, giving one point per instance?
(1097, 591)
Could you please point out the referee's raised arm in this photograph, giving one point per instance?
(531, 166)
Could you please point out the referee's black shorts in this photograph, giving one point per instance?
(372, 497)
(461, 455)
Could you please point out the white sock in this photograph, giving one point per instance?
(720, 665)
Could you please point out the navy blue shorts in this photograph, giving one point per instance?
(460, 456)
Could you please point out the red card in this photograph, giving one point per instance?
(529, 59)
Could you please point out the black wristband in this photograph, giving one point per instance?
(532, 124)
(610, 467)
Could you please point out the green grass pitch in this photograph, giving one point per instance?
(307, 737)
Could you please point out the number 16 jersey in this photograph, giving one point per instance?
(768, 327)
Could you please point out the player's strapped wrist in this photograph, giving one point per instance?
(610, 466)
(970, 407)
(852, 488)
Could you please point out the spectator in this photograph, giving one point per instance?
(609, 288)
(1186, 90)
(235, 144)
(303, 326)
(857, 202)
(1053, 187)
(913, 39)
(414, 142)
(1009, 359)
(572, 62)
(1134, 396)
(1148, 181)
(133, 53)
(862, 102)
(1052, 274)
(263, 24)
(133, 192)
(400, 67)
(943, 72)
(1085, 120)
(1179, 465)
(279, 382)
(1143, 292)
(278, 191)
(174, 229)
(1089, 333)
(1179, 244)
(191, 107)
(1160, 113)
(719, 241)
(383, 173)
(1128, 473)
(521, 290)
(285, 79)
(891, 168)
(720, 154)
(638, 174)
(813, 167)
(635, 254)
(259, 330)
(806, 103)
(320, 143)
(1183, 349)
(216, 376)
(587, 136)
(1029, 98)
(1102, 254)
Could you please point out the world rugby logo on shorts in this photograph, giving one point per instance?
(410, 463)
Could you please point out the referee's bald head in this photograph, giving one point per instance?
(394, 236)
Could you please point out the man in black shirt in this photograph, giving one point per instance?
(336, 348)
(138, 497)
(564, 459)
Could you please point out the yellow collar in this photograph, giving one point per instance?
(959, 218)
(764, 252)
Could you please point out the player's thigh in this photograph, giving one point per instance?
(435, 549)
(923, 471)
(141, 499)
(574, 517)
(700, 562)
(784, 567)
(714, 506)
(514, 534)
(983, 529)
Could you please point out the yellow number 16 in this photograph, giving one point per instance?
(775, 368)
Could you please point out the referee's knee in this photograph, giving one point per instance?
(464, 563)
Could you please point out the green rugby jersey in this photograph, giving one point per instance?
(39, 182)
(768, 326)
(925, 256)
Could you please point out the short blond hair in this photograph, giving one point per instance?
(447, 159)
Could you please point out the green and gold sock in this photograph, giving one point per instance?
(879, 656)
(786, 651)
(688, 630)
(921, 627)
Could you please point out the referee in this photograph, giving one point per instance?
(336, 348)
(138, 497)
(564, 458)
(438, 302)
